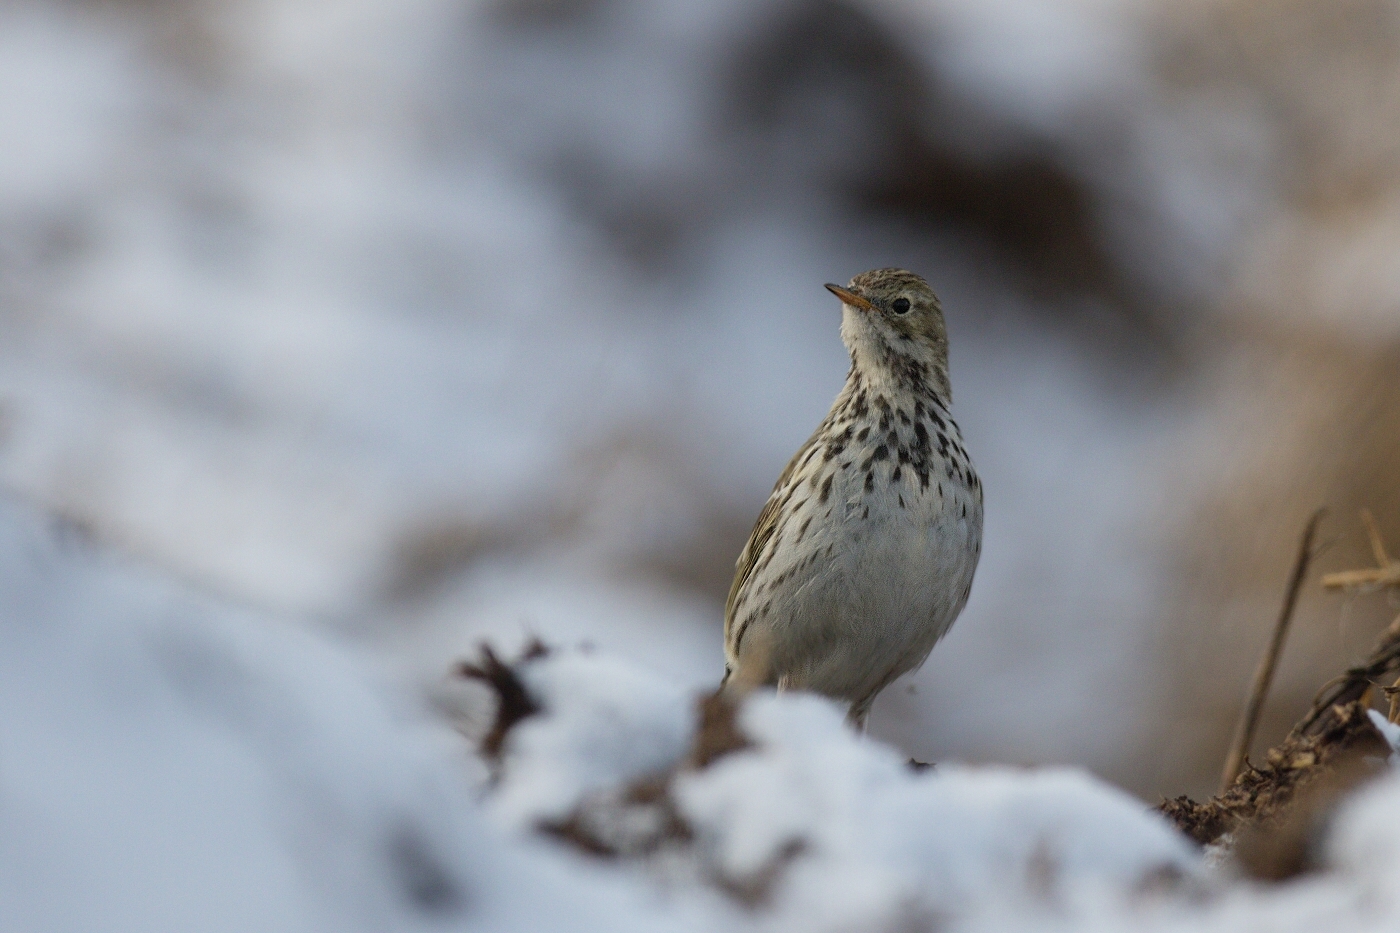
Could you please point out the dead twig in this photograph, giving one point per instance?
(1262, 796)
(1392, 693)
(513, 700)
(1264, 673)
(1384, 663)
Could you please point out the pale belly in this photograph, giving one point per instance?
(887, 583)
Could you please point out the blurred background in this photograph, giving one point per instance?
(431, 320)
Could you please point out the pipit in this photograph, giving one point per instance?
(864, 553)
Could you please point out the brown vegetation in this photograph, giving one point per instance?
(1275, 813)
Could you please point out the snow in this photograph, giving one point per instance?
(1389, 731)
(1362, 844)
(170, 763)
(942, 841)
(173, 762)
(607, 722)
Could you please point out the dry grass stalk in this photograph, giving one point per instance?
(1386, 572)
(1264, 673)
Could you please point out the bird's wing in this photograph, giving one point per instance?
(762, 530)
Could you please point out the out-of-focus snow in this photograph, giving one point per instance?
(946, 842)
(1389, 731)
(561, 606)
(606, 723)
(168, 763)
(817, 829)
(1363, 845)
(828, 830)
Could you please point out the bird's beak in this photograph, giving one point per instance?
(849, 297)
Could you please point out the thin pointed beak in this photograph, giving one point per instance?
(849, 297)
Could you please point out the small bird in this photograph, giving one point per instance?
(864, 553)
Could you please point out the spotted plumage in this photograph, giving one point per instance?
(864, 553)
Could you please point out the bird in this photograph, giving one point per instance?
(864, 553)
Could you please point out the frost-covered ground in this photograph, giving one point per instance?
(171, 763)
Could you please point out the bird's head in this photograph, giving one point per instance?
(892, 324)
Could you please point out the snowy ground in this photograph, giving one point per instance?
(170, 763)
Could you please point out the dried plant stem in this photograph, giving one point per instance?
(1373, 531)
(1387, 572)
(1346, 579)
(1264, 673)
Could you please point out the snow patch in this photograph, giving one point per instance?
(605, 722)
(865, 833)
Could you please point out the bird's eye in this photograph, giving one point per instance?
(900, 305)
